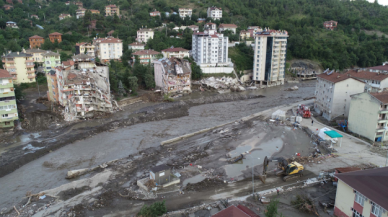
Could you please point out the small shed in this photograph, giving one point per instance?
(334, 135)
(161, 174)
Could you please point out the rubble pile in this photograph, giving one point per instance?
(222, 83)
(205, 184)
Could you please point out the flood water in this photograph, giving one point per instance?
(120, 143)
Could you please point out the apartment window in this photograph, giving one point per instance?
(360, 199)
(376, 209)
(258, 56)
(5, 115)
(356, 214)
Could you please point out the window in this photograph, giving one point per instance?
(360, 199)
(376, 209)
(5, 115)
(356, 214)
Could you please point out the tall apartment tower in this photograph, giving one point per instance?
(209, 47)
(270, 56)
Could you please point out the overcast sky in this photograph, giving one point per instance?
(382, 2)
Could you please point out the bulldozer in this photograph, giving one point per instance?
(287, 170)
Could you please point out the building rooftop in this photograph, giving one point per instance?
(176, 66)
(335, 77)
(370, 183)
(82, 57)
(233, 211)
(145, 30)
(16, 54)
(367, 75)
(214, 8)
(137, 44)
(4, 74)
(36, 36)
(109, 40)
(174, 49)
(146, 52)
(68, 63)
(50, 53)
(111, 6)
(55, 33)
(347, 169)
(381, 68)
(35, 50)
(382, 97)
(268, 32)
(160, 168)
(223, 25)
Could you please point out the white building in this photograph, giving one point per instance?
(231, 27)
(108, 48)
(210, 26)
(270, 57)
(177, 52)
(184, 12)
(333, 93)
(193, 28)
(210, 51)
(374, 82)
(214, 13)
(136, 46)
(144, 34)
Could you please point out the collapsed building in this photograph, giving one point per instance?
(81, 92)
(172, 75)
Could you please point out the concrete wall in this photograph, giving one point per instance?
(363, 115)
(344, 199)
(341, 96)
(210, 70)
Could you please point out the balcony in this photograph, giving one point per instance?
(9, 61)
(14, 78)
(7, 94)
(29, 61)
(380, 129)
(13, 73)
(30, 65)
(10, 67)
(383, 111)
(7, 85)
(8, 102)
(31, 76)
(8, 111)
(30, 71)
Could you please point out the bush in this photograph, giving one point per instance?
(154, 210)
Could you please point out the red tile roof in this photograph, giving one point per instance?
(110, 40)
(370, 183)
(234, 211)
(137, 44)
(68, 63)
(382, 97)
(384, 68)
(111, 6)
(175, 49)
(367, 75)
(223, 25)
(146, 52)
(55, 33)
(335, 77)
(4, 74)
(36, 36)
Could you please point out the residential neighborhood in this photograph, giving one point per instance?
(193, 108)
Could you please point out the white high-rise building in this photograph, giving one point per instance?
(209, 47)
(270, 56)
(214, 13)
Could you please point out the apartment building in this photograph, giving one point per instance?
(36, 41)
(111, 10)
(209, 47)
(270, 57)
(20, 65)
(136, 46)
(333, 91)
(94, 11)
(374, 82)
(177, 52)
(85, 48)
(362, 193)
(36, 54)
(63, 16)
(210, 26)
(52, 84)
(144, 34)
(145, 56)
(83, 61)
(80, 12)
(223, 26)
(214, 13)
(185, 12)
(155, 13)
(84, 91)
(7, 7)
(8, 109)
(108, 48)
(172, 75)
(245, 34)
(55, 36)
(330, 24)
(368, 115)
(51, 60)
(11, 24)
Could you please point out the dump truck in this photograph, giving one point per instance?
(286, 170)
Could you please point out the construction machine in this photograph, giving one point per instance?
(287, 170)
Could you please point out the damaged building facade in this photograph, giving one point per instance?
(172, 75)
(81, 92)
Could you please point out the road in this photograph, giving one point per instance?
(49, 171)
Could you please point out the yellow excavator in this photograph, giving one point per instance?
(287, 170)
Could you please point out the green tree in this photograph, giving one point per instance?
(272, 209)
(133, 84)
(154, 210)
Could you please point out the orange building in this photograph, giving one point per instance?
(36, 41)
(55, 36)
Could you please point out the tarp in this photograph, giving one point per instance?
(333, 134)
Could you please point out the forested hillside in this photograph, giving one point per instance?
(344, 47)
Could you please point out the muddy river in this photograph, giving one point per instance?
(50, 170)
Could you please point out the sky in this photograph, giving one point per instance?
(382, 2)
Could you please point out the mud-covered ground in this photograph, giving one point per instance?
(119, 193)
(137, 128)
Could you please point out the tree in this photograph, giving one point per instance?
(64, 56)
(133, 84)
(272, 209)
(154, 210)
